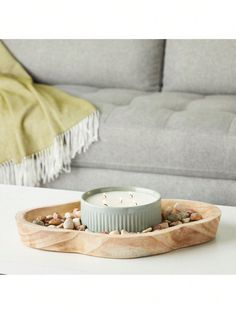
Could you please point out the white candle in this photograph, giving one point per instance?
(121, 199)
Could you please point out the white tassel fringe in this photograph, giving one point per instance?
(47, 164)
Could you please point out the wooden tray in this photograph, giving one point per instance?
(118, 246)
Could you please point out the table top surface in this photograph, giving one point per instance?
(215, 257)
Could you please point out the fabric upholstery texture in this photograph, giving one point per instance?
(216, 191)
(129, 63)
(42, 128)
(200, 66)
(165, 133)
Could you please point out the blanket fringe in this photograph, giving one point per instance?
(47, 164)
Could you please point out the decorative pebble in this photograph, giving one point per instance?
(161, 226)
(186, 220)
(42, 218)
(114, 232)
(190, 211)
(77, 213)
(68, 215)
(166, 213)
(38, 222)
(68, 224)
(81, 228)
(76, 222)
(56, 216)
(175, 223)
(55, 221)
(147, 230)
(184, 214)
(174, 217)
(195, 216)
(72, 220)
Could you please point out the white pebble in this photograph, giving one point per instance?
(68, 215)
(124, 231)
(77, 222)
(68, 224)
(114, 232)
(147, 230)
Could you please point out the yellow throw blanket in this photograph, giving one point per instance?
(41, 127)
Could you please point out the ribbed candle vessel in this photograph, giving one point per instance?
(136, 210)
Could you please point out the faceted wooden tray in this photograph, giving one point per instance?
(119, 246)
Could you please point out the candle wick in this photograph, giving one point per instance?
(121, 200)
(131, 195)
(104, 195)
(105, 202)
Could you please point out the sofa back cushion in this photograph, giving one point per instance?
(133, 64)
(200, 66)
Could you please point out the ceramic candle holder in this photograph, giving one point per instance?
(115, 208)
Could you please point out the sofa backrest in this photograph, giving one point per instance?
(200, 66)
(133, 64)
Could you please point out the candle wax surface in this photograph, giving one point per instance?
(121, 199)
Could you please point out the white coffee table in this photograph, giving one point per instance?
(216, 257)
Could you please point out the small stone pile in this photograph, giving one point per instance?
(176, 216)
(72, 220)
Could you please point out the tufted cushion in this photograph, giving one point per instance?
(177, 133)
(104, 63)
(200, 66)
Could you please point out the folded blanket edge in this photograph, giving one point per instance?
(46, 165)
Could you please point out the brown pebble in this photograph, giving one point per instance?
(190, 211)
(175, 223)
(56, 216)
(81, 228)
(186, 220)
(195, 216)
(161, 226)
(55, 221)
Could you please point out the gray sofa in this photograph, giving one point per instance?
(167, 108)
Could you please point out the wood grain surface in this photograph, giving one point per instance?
(119, 246)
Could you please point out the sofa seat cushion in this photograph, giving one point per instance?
(166, 133)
